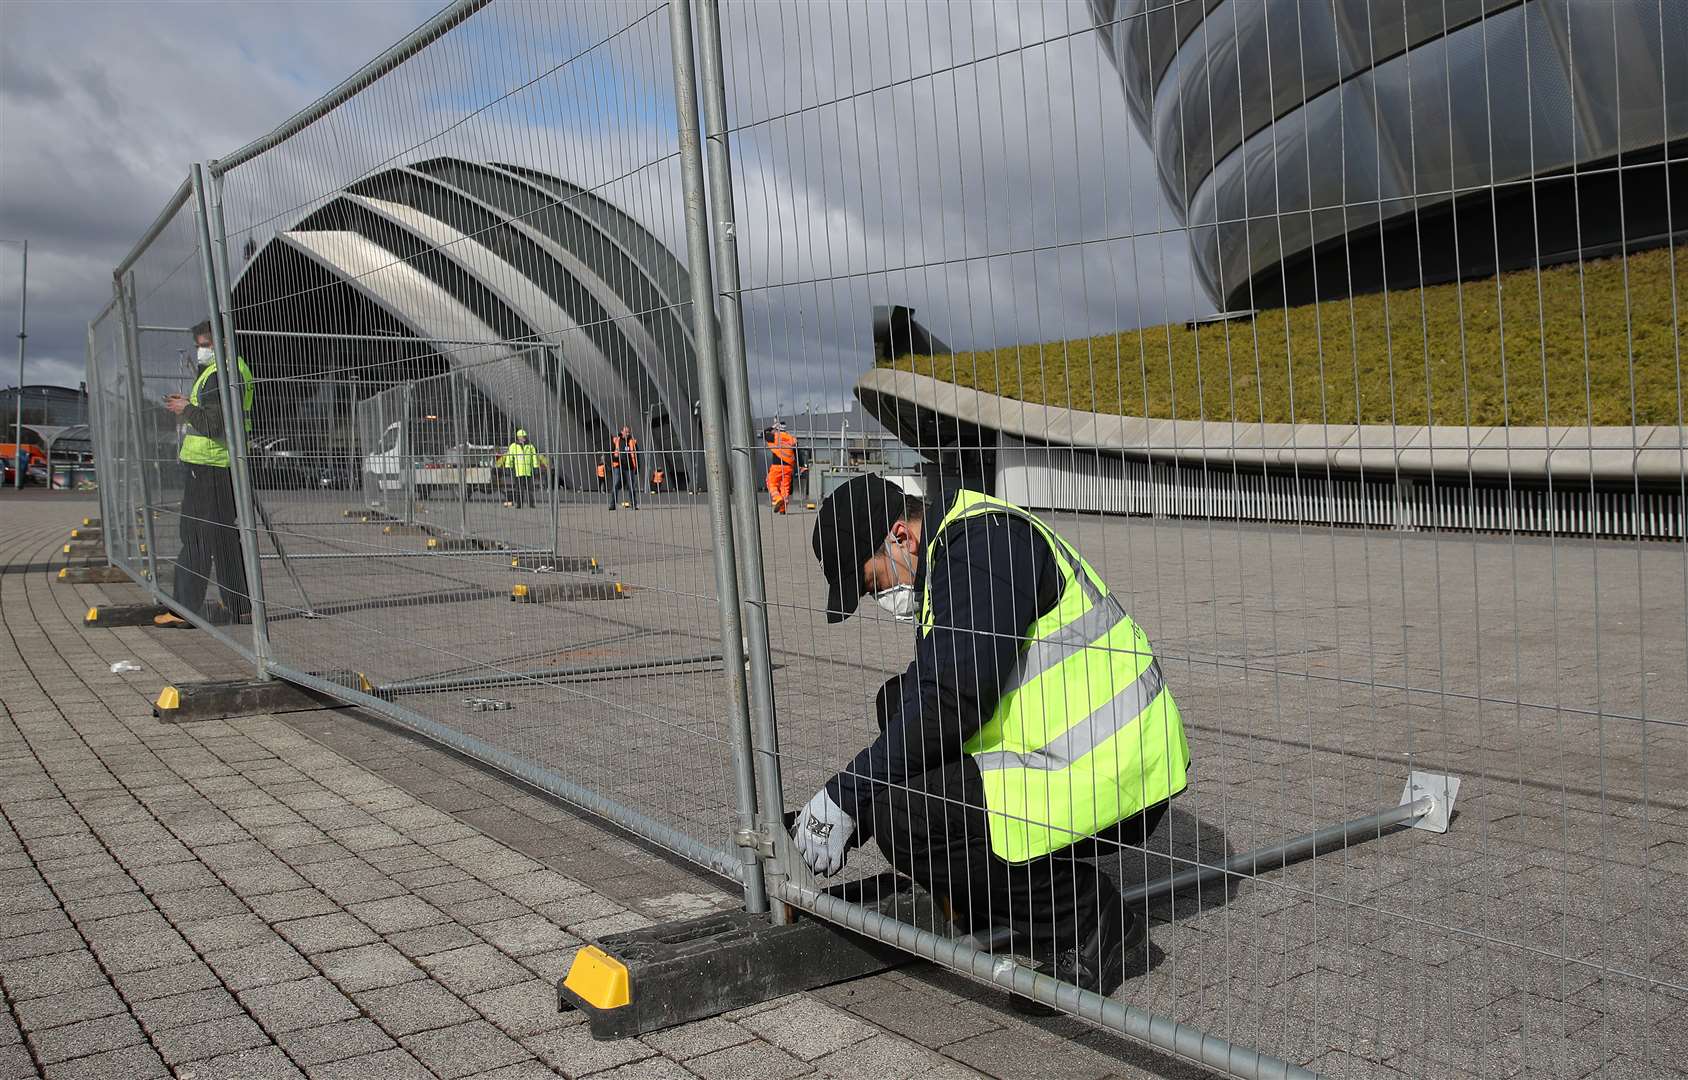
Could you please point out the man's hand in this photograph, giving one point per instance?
(175, 403)
(822, 834)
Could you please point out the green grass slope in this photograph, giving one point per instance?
(1604, 343)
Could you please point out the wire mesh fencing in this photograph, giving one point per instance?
(1382, 525)
(1244, 604)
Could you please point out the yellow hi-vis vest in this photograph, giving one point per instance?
(521, 457)
(200, 449)
(1086, 734)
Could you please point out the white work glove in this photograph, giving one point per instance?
(822, 834)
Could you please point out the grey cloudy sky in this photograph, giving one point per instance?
(973, 160)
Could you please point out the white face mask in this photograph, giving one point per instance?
(898, 601)
(205, 355)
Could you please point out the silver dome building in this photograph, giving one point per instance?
(445, 264)
(1319, 148)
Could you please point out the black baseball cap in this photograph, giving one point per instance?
(852, 525)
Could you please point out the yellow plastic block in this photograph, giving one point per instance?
(67, 549)
(64, 572)
(619, 588)
(93, 615)
(433, 541)
(598, 978)
(76, 534)
(518, 591)
(87, 521)
(168, 698)
(594, 564)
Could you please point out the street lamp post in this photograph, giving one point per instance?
(23, 335)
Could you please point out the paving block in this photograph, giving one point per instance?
(86, 1037)
(397, 913)
(387, 1065)
(473, 969)
(334, 1042)
(139, 1062)
(465, 1049)
(412, 1007)
(283, 1007)
(748, 1061)
(368, 967)
(261, 1063)
(185, 1010)
(524, 1008)
(575, 1052)
(325, 933)
(259, 965)
(212, 1038)
(72, 1006)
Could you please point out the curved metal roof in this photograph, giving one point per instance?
(587, 301)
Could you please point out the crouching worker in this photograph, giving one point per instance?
(1032, 731)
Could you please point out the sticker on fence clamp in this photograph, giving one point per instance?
(485, 704)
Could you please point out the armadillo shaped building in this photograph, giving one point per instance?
(1319, 149)
(564, 313)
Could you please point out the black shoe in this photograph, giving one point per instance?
(1097, 963)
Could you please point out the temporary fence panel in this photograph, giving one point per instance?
(1059, 191)
(455, 288)
(512, 295)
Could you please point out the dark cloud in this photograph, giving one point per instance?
(103, 106)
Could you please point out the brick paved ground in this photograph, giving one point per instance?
(246, 899)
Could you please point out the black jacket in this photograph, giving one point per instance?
(206, 418)
(993, 577)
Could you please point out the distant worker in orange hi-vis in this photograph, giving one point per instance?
(782, 444)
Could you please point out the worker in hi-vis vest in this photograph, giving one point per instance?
(782, 449)
(209, 534)
(522, 459)
(1032, 731)
(624, 467)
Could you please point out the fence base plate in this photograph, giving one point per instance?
(568, 564)
(654, 978)
(86, 534)
(1439, 786)
(83, 549)
(186, 703)
(568, 590)
(92, 575)
(441, 543)
(123, 614)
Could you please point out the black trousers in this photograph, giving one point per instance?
(523, 485)
(936, 832)
(624, 479)
(210, 542)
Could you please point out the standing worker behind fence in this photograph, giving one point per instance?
(1032, 731)
(210, 538)
(782, 444)
(522, 459)
(624, 467)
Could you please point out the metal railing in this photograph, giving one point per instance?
(439, 296)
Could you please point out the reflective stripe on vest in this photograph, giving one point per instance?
(1085, 733)
(200, 449)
